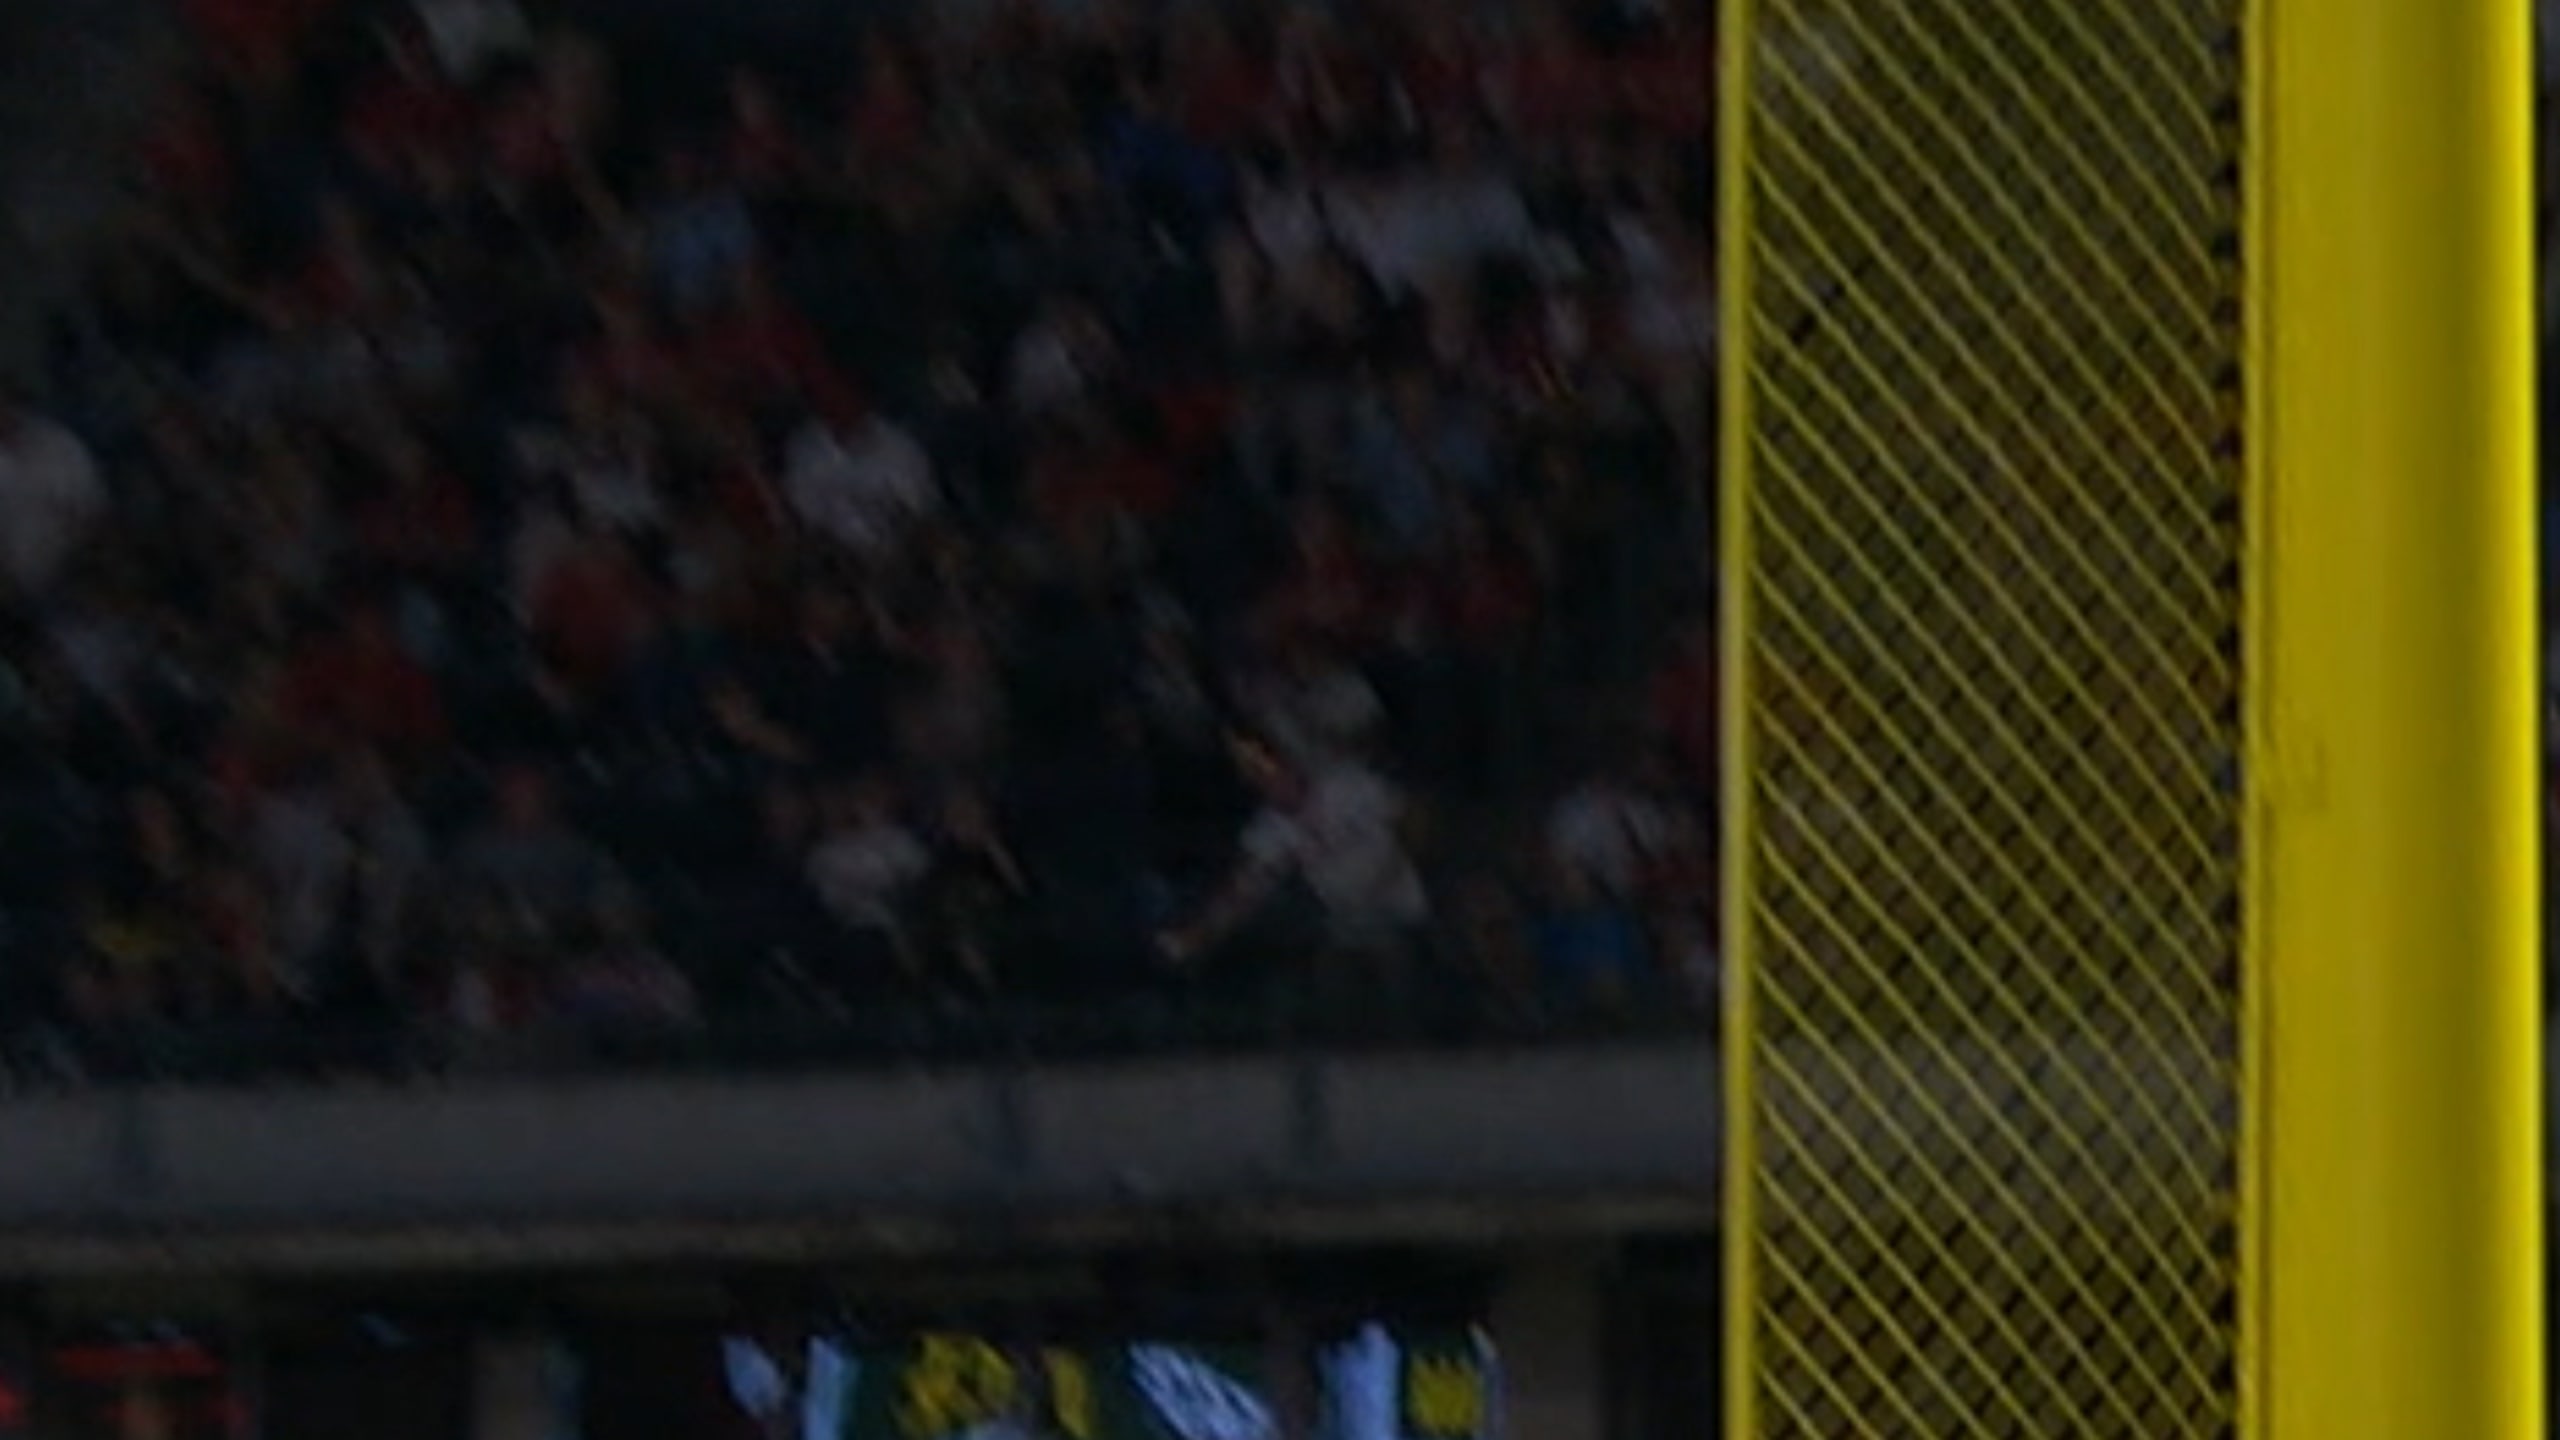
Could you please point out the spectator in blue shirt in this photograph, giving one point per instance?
(1590, 949)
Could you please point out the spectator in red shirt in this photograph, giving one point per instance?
(409, 107)
(1198, 413)
(591, 609)
(1477, 605)
(347, 278)
(541, 137)
(1684, 703)
(523, 138)
(1669, 84)
(357, 685)
(257, 39)
(1227, 92)
(630, 356)
(1548, 84)
(1328, 589)
(1484, 586)
(418, 521)
(1098, 468)
(187, 157)
(890, 111)
(762, 152)
(1440, 71)
(743, 491)
(758, 353)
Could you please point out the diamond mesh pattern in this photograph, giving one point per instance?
(1992, 596)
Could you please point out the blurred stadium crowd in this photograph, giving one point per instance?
(1080, 524)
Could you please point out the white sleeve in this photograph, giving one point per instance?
(814, 484)
(799, 459)
(914, 487)
(1504, 222)
(76, 481)
(1374, 807)
(1270, 843)
(1354, 705)
(908, 860)
(827, 878)
(1041, 373)
(1567, 828)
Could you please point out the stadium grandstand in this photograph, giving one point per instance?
(599, 540)
(852, 721)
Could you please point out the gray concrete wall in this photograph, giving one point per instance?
(1202, 1142)
(1548, 1323)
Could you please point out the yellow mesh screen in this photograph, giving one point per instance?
(1990, 582)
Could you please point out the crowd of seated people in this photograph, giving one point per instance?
(522, 538)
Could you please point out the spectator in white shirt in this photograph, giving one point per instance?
(1313, 707)
(1058, 360)
(857, 480)
(343, 860)
(602, 457)
(1339, 828)
(469, 36)
(625, 984)
(528, 866)
(51, 500)
(863, 870)
(1611, 829)
(1286, 222)
(1413, 232)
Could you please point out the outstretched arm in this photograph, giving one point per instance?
(1244, 892)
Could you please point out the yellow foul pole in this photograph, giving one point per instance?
(2395, 1235)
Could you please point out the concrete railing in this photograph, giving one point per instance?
(902, 1159)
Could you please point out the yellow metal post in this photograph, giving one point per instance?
(2396, 1123)
(1737, 22)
